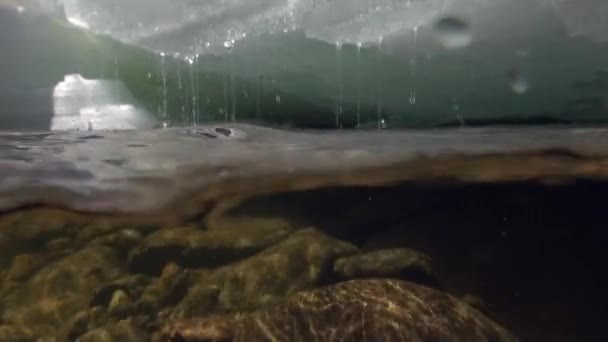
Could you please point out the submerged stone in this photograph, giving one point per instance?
(121, 304)
(167, 290)
(24, 265)
(373, 310)
(97, 335)
(14, 333)
(400, 263)
(193, 247)
(127, 330)
(61, 289)
(302, 261)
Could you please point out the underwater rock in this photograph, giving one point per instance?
(217, 221)
(59, 244)
(32, 230)
(86, 320)
(222, 246)
(121, 304)
(475, 301)
(128, 330)
(161, 248)
(42, 224)
(11, 333)
(97, 335)
(398, 263)
(167, 290)
(107, 227)
(60, 290)
(358, 310)
(193, 247)
(122, 241)
(133, 285)
(24, 265)
(302, 261)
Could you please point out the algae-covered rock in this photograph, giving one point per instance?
(359, 310)
(133, 285)
(122, 241)
(223, 222)
(121, 304)
(12, 333)
(61, 289)
(97, 335)
(127, 330)
(106, 227)
(193, 247)
(84, 321)
(390, 263)
(59, 244)
(161, 248)
(31, 231)
(167, 290)
(222, 246)
(24, 265)
(300, 262)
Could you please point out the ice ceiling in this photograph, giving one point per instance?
(199, 26)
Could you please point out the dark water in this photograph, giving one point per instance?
(251, 234)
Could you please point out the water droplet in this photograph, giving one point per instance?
(20, 9)
(453, 33)
(229, 44)
(383, 124)
(520, 86)
(519, 83)
(460, 120)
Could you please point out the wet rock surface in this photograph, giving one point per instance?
(390, 263)
(194, 247)
(377, 310)
(14, 333)
(61, 289)
(300, 262)
(24, 265)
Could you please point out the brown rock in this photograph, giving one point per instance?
(59, 244)
(60, 290)
(302, 261)
(167, 290)
(121, 304)
(398, 263)
(24, 265)
(193, 247)
(359, 310)
(11, 333)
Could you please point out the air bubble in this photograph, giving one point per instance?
(453, 33)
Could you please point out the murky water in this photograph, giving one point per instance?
(244, 233)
